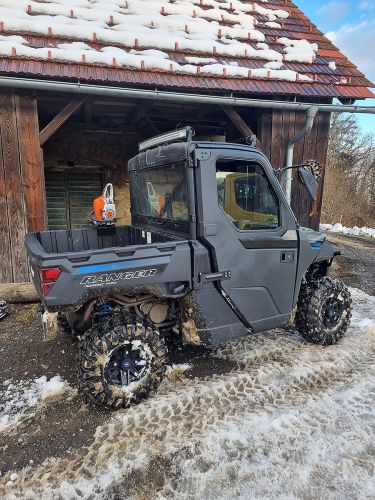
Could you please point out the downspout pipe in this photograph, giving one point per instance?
(310, 117)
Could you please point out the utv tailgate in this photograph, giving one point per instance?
(157, 268)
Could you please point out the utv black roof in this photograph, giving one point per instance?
(171, 148)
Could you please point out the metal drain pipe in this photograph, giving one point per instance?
(310, 117)
(162, 95)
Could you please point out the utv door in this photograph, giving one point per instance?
(248, 225)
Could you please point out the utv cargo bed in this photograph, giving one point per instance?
(87, 262)
(80, 240)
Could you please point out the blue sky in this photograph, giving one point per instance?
(351, 26)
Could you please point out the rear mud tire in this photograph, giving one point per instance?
(96, 352)
(324, 311)
(64, 325)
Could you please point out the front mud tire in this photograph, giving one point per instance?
(324, 311)
(95, 362)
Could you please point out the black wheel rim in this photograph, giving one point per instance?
(332, 312)
(127, 364)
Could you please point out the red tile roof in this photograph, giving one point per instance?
(325, 79)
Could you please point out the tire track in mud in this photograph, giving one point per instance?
(279, 374)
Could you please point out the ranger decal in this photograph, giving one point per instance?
(113, 278)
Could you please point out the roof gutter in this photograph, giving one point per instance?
(126, 93)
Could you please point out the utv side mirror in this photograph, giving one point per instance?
(310, 172)
(309, 180)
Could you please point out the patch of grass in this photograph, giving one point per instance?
(27, 313)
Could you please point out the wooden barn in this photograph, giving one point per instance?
(82, 82)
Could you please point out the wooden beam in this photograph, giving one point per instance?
(15, 202)
(142, 109)
(60, 119)
(239, 123)
(152, 125)
(88, 111)
(6, 271)
(31, 159)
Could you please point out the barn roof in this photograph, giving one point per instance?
(257, 47)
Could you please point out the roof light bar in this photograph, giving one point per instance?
(183, 134)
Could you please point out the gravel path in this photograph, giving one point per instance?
(356, 265)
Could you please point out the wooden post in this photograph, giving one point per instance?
(6, 269)
(31, 159)
(13, 186)
(22, 199)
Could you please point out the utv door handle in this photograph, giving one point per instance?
(224, 275)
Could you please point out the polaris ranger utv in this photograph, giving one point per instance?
(214, 253)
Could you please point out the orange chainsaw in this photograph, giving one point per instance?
(104, 208)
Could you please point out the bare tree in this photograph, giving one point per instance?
(349, 192)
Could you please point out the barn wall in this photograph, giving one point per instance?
(274, 130)
(84, 149)
(22, 200)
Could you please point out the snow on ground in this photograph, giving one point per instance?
(293, 420)
(353, 231)
(18, 398)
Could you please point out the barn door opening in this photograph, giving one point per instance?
(70, 196)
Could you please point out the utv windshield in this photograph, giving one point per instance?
(161, 193)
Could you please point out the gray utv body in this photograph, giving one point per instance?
(226, 281)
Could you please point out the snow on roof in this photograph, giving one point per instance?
(157, 24)
(145, 35)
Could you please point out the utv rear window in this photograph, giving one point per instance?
(161, 193)
(246, 195)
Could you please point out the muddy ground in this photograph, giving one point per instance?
(69, 448)
(356, 265)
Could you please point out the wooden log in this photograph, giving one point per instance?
(18, 293)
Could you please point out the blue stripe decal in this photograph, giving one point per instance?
(316, 244)
(126, 264)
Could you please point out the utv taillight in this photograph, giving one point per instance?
(48, 278)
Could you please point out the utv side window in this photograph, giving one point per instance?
(246, 195)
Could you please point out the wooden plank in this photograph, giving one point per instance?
(265, 130)
(31, 163)
(288, 131)
(277, 158)
(322, 141)
(60, 119)
(13, 183)
(239, 123)
(297, 194)
(6, 272)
